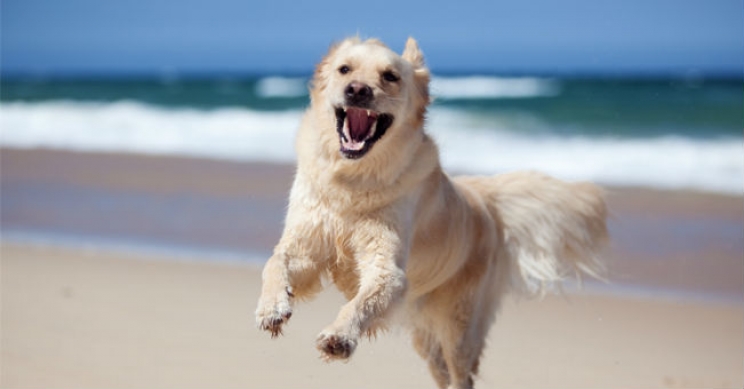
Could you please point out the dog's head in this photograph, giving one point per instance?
(371, 93)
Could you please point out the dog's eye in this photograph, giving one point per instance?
(343, 69)
(390, 76)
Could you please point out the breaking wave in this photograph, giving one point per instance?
(250, 135)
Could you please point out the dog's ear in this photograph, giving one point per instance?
(413, 54)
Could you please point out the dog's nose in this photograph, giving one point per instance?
(358, 93)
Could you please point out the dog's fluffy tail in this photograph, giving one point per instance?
(551, 228)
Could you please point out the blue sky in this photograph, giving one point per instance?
(274, 36)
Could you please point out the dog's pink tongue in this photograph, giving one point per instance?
(359, 124)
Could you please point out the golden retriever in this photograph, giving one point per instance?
(371, 208)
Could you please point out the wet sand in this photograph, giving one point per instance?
(679, 241)
(74, 315)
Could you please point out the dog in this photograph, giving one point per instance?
(371, 209)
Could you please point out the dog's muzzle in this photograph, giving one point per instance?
(359, 128)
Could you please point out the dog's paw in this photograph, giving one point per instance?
(271, 316)
(335, 346)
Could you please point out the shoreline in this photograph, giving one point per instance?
(287, 169)
(589, 287)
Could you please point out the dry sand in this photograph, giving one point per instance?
(76, 319)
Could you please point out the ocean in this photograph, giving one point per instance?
(669, 133)
(93, 184)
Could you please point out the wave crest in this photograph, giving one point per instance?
(269, 87)
(480, 87)
(452, 88)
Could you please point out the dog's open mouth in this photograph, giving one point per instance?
(359, 128)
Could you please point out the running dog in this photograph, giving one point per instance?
(371, 209)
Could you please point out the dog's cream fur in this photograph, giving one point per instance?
(392, 230)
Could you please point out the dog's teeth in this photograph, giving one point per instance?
(368, 114)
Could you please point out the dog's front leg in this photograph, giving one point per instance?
(274, 307)
(288, 275)
(382, 282)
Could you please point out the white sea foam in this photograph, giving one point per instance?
(672, 162)
(282, 87)
(479, 87)
(232, 133)
(467, 144)
(460, 88)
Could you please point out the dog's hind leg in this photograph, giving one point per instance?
(463, 341)
(461, 358)
(431, 350)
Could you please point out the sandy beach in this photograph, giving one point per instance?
(74, 319)
(76, 313)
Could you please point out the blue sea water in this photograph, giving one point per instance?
(664, 133)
